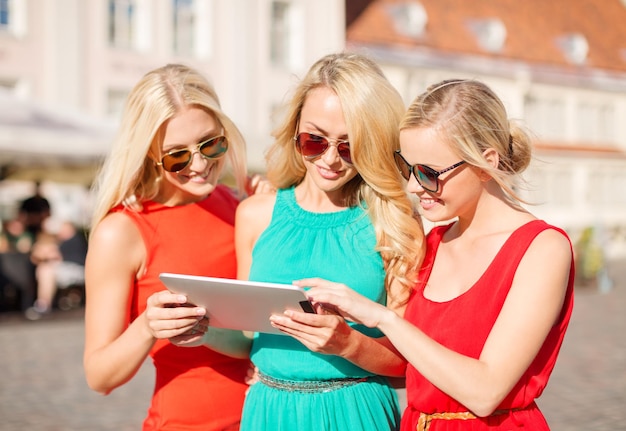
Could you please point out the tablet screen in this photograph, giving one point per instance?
(239, 304)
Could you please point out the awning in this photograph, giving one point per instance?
(39, 143)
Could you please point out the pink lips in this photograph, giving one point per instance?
(427, 203)
(328, 174)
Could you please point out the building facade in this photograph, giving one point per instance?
(85, 56)
(560, 68)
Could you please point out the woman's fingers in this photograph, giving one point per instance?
(319, 333)
(169, 315)
(166, 298)
(326, 296)
(318, 282)
(259, 184)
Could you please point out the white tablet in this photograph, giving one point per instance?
(238, 304)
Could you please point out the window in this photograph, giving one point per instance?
(561, 189)
(549, 184)
(13, 17)
(280, 35)
(184, 27)
(536, 188)
(4, 14)
(606, 186)
(116, 99)
(595, 122)
(546, 117)
(583, 117)
(121, 18)
(490, 33)
(410, 19)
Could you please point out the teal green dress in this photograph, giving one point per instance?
(302, 390)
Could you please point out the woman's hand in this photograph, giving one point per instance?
(324, 332)
(328, 332)
(169, 316)
(194, 336)
(344, 301)
(259, 184)
(252, 376)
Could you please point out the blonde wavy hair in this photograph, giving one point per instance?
(471, 118)
(372, 110)
(129, 175)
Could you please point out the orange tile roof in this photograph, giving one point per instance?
(533, 29)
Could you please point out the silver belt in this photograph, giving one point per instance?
(309, 386)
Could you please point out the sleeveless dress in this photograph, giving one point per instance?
(196, 388)
(457, 325)
(338, 246)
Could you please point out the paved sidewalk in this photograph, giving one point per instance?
(587, 390)
(42, 386)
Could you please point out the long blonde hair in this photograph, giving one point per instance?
(130, 175)
(372, 109)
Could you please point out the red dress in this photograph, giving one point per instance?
(463, 325)
(196, 388)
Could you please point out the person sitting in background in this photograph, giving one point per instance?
(14, 238)
(17, 272)
(60, 263)
(34, 211)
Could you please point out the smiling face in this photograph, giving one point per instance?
(199, 178)
(459, 188)
(322, 115)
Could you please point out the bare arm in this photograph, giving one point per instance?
(529, 312)
(114, 347)
(114, 350)
(329, 333)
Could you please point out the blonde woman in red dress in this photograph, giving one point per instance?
(160, 209)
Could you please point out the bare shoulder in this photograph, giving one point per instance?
(548, 260)
(115, 230)
(254, 215)
(551, 244)
(116, 243)
(255, 207)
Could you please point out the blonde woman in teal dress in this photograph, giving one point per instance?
(340, 213)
